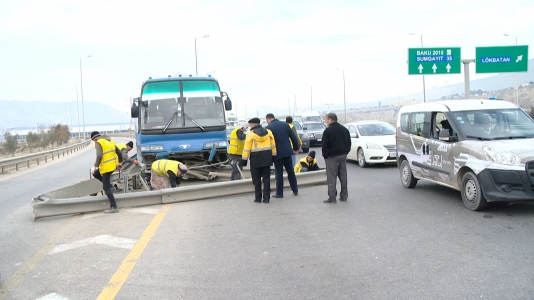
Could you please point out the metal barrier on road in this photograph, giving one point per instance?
(40, 155)
(46, 207)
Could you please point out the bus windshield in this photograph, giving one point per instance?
(163, 108)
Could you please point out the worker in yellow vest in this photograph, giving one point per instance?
(235, 151)
(108, 159)
(307, 164)
(125, 148)
(289, 120)
(166, 173)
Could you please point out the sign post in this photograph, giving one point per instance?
(428, 61)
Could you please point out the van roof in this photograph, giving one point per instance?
(458, 105)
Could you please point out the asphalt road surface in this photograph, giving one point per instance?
(386, 242)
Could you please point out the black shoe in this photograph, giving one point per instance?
(266, 201)
(94, 194)
(343, 200)
(296, 193)
(278, 196)
(329, 201)
(257, 200)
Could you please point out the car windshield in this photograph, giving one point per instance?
(314, 126)
(297, 125)
(495, 124)
(313, 119)
(376, 129)
(163, 108)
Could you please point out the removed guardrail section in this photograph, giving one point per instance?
(46, 205)
(44, 155)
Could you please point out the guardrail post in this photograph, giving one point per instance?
(2, 170)
(37, 160)
(28, 164)
(125, 180)
(16, 167)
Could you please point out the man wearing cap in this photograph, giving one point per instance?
(235, 150)
(307, 164)
(260, 147)
(108, 159)
(125, 148)
(283, 134)
(166, 173)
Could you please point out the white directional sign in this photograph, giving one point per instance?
(108, 240)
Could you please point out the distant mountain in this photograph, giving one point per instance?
(21, 114)
(490, 84)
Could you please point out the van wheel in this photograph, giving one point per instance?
(361, 159)
(408, 181)
(305, 150)
(472, 195)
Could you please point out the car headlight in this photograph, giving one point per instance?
(217, 145)
(152, 148)
(501, 156)
(373, 146)
(311, 135)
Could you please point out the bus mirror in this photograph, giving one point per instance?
(134, 111)
(228, 104)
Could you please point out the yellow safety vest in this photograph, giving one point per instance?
(109, 160)
(236, 145)
(298, 165)
(256, 143)
(121, 146)
(298, 137)
(161, 167)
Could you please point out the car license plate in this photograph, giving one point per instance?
(318, 140)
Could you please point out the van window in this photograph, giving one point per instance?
(495, 124)
(415, 123)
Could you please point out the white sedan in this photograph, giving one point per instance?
(373, 142)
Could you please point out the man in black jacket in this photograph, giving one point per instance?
(282, 134)
(336, 145)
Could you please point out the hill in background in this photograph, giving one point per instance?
(29, 114)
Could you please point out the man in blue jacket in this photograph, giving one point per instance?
(282, 134)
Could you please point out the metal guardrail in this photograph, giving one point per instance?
(44, 155)
(47, 207)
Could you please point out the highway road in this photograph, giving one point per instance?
(386, 242)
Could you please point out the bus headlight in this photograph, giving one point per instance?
(216, 144)
(152, 148)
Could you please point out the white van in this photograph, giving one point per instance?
(483, 148)
(307, 116)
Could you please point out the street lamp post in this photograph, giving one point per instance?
(516, 75)
(81, 90)
(196, 63)
(344, 99)
(78, 111)
(424, 88)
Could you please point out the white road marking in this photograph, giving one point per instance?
(108, 240)
(138, 210)
(52, 296)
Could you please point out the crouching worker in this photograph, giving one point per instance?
(307, 164)
(108, 159)
(166, 173)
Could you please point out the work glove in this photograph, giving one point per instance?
(93, 170)
(119, 166)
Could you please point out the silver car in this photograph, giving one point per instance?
(314, 131)
(303, 137)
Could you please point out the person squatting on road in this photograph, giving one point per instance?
(125, 148)
(166, 173)
(235, 149)
(260, 146)
(108, 159)
(307, 164)
(282, 135)
(336, 145)
(289, 120)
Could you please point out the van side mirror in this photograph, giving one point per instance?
(445, 135)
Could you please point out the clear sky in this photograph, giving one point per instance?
(264, 53)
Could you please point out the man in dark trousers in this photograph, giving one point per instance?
(108, 159)
(282, 134)
(336, 145)
(260, 147)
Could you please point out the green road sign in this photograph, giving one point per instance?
(502, 59)
(425, 61)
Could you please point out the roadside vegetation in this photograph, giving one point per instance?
(41, 139)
